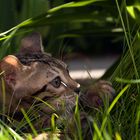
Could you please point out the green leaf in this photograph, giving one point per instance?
(73, 4)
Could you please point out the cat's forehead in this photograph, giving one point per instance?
(43, 58)
(31, 50)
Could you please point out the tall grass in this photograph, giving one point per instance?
(120, 120)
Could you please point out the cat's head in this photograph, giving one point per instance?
(32, 72)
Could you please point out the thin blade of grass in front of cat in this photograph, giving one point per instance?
(53, 125)
(137, 123)
(8, 133)
(77, 120)
(29, 122)
(47, 104)
(112, 105)
(3, 98)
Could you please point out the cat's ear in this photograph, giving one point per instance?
(31, 44)
(10, 65)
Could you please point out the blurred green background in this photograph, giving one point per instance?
(91, 27)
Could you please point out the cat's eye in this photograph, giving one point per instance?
(56, 82)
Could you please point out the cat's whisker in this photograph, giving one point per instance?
(64, 84)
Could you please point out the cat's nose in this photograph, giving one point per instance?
(77, 89)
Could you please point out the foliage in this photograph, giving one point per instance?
(79, 20)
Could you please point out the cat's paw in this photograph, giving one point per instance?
(97, 93)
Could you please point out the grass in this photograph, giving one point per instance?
(118, 121)
(111, 122)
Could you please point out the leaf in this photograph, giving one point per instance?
(73, 4)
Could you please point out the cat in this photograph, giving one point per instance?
(34, 76)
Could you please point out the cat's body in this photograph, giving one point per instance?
(33, 76)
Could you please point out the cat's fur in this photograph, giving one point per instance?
(33, 75)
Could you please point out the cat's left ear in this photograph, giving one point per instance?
(10, 65)
(31, 44)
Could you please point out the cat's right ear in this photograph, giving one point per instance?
(10, 65)
(31, 44)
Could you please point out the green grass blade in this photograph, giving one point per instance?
(53, 125)
(131, 81)
(112, 105)
(47, 104)
(117, 136)
(3, 97)
(97, 131)
(78, 120)
(8, 133)
(127, 39)
(137, 123)
(29, 122)
(73, 4)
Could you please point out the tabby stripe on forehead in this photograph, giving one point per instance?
(40, 57)
(33, 58)
(53, 68)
